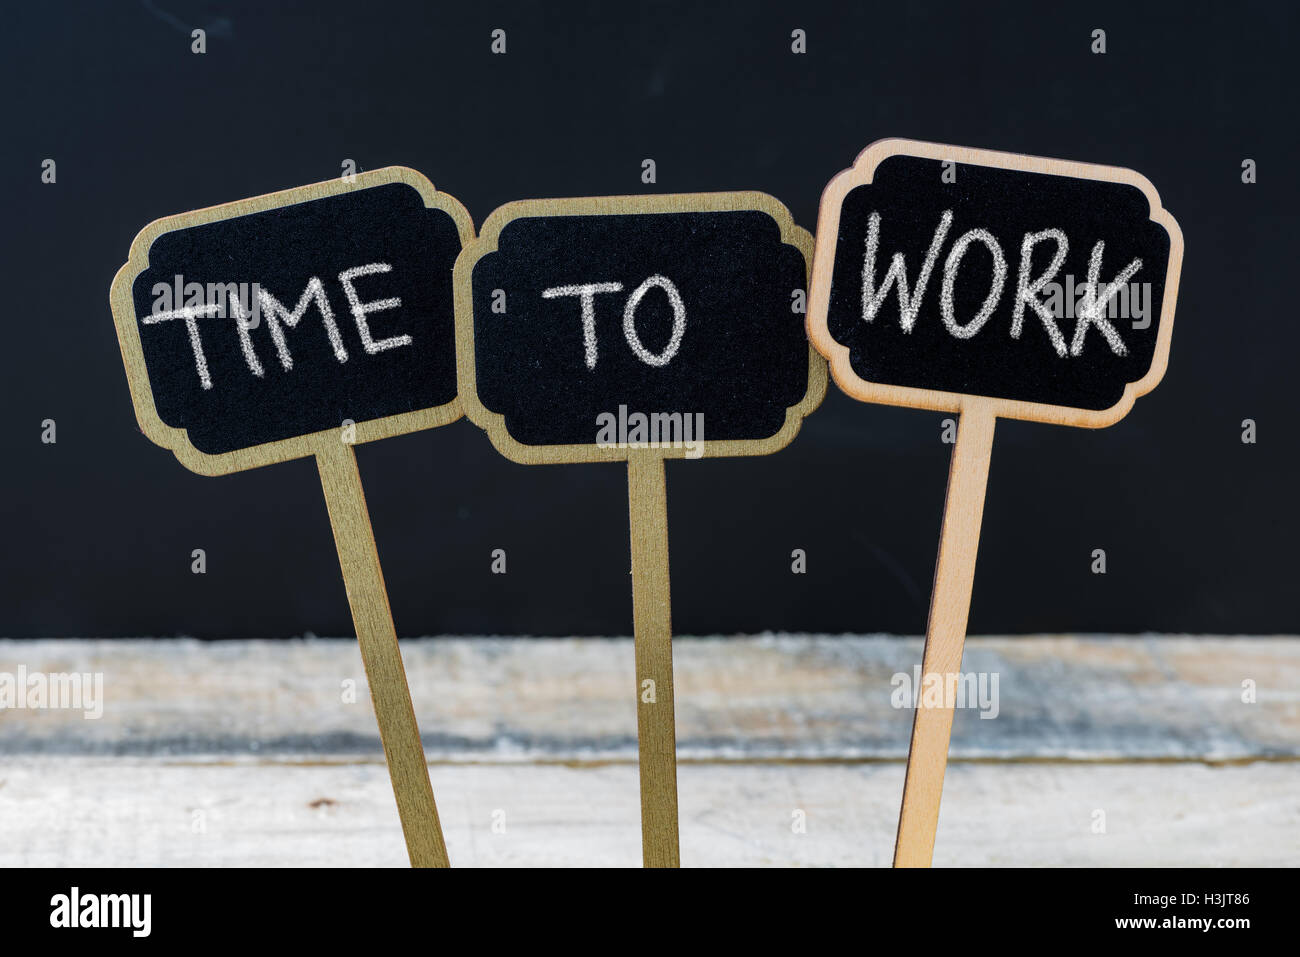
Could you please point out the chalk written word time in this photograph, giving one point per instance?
(279, 317)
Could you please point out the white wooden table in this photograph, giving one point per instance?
(266, 753)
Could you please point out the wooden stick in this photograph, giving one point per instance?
(652, 617)
(945, 634)
(373, 620)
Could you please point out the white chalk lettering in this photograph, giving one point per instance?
(586, 293)
(275, 312)
(360, 310)
(1096, 295)
(908, 304)
(950, 268)
(1093, 309)
(244, 323)
(679, 321)
(1027, 292)
(191, 315)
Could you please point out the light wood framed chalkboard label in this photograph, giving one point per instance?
(339, 245)
(570, 312)
(1010, 367)
(301, 323)
(933, 288)
(531, 246)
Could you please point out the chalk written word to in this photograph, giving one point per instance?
(586, 295)
(1091, 310)
(279, 317)
(653, 430)
(641, 303)
(1010, 282)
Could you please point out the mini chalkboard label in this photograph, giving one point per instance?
(591, 328)
(302, 323)
(639, 328)
(944, 274)
(988, 284)
(256, 330)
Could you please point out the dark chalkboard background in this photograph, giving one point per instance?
(742, 359)
(280, 251)
(910, 197)
(1199, 529)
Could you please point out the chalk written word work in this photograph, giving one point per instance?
(1091, 311)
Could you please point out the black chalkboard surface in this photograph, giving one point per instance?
(297, 313)
(578, 317)
(944, 272)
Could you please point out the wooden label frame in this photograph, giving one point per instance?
(828, 226)
(466, 367)
(282, 450)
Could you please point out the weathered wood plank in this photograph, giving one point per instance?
(767, 697)
(95, 811)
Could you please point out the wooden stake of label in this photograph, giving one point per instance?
(368, 598)
(652, 621)
(945, 635)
